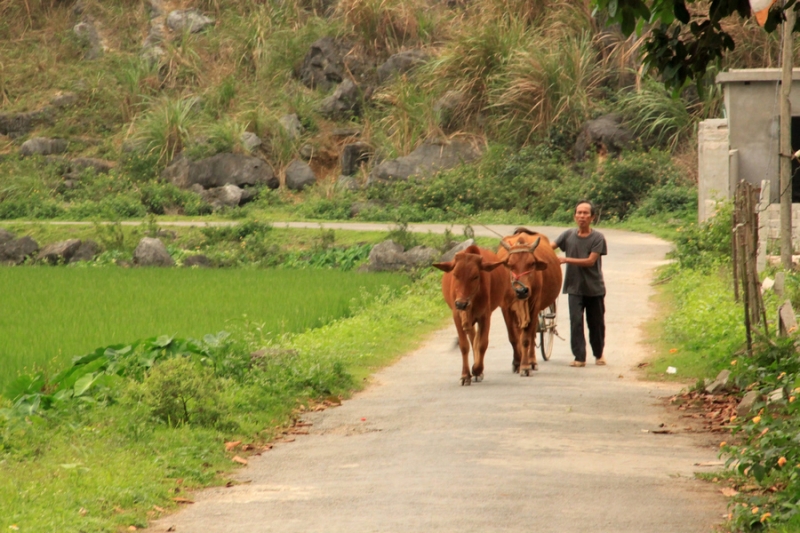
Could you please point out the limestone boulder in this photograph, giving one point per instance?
(228, 195)
(299, 175)
(401, 63)
(6, 236)
(450, 254)
(345, 102)
(329, 61)
(220, 170)
(425, 161)
(152, 252)
(59, 252)
(43, 146)
(18, 124)
(191, 20)
(16, 251)
(87, 251)
(604, 135)
(291, 126)
(391, 256)
(353, 156)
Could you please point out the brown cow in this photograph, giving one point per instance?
(535, 281)
(473, 286)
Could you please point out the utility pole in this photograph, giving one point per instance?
(785, 192)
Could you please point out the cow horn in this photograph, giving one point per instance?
(505, 245)
(535, 244)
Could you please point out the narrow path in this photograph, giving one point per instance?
(565, 451)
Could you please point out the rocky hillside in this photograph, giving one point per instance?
(122, 107)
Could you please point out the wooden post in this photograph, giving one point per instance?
(785, 192)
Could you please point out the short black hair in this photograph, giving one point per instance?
(591, 206)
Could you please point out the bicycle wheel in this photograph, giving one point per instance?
(547, 331)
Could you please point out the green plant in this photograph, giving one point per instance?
(164, 130)
(179, 391)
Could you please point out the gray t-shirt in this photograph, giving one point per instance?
(584, 281)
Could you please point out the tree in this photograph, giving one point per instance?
(682, 46)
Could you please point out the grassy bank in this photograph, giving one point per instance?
(112, 460)
(52, 314)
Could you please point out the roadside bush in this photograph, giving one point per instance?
(162, 198)
(179, 391)
(670, 197)
(706, 245)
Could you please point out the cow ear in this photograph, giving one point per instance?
(445, 267)
(488, 267)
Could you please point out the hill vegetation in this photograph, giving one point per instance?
(114, 81)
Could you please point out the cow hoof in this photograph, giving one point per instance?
(479, 378)
(535, 366)
(524, 372)
(465, 382)
(515, 368)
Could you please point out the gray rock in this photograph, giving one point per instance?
(345, 102)
(248, 195)
(77, 166)
(346, 132)
(745, 406)
(15, 252)
(59, 252)
(347, 183)
(390, 256)
(400, 63)
(329, 61)
(18, 124)
(369, 205)
(155, 8)
(63, 99)
(6, 236)
(421, 256)
(306, 152)
(250, 141)
(226, 196)
(604, 135)
(776, 396)
(87, 33)
(190, 20)
(353, 155)
(220, 170)
(446, 109)
(87, 251)
(299, 175)
(720, 384)
(43, 146)
(292, 126)
(387, 255)
(152, 252)
(450, 254)
(151, 47)
(199, 260)
(425, 161)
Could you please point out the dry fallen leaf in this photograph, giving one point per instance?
(729, 492)
(159, 509)
(82, 511)
(178, 499)
(231, 445)
(237, 459)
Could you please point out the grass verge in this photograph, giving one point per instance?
(112, 461)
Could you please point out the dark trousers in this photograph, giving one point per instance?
(595, 309)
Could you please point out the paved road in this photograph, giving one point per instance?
(564, 451)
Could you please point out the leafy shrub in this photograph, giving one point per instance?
(179, 391)
(318, 207)
(160, 198)
(668, 198)
(705, 245)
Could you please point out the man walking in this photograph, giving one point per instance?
(583, 283)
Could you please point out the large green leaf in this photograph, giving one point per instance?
(24, 385)
(84, 383)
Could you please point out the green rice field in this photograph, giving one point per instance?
(48, 315)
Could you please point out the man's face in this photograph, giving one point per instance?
(583, 215)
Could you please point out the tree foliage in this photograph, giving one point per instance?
(682, 45)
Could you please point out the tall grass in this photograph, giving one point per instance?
(164, 130)
(384, 25)
(49, 315)
(553, 80)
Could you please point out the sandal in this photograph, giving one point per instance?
(600, 361)
(578, 363)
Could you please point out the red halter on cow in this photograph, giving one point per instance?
(473, 286)
(534, 283)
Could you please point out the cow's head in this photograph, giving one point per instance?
(521, 262)
(466, 268)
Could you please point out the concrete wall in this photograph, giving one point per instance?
(714, 167)
(751, 105)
